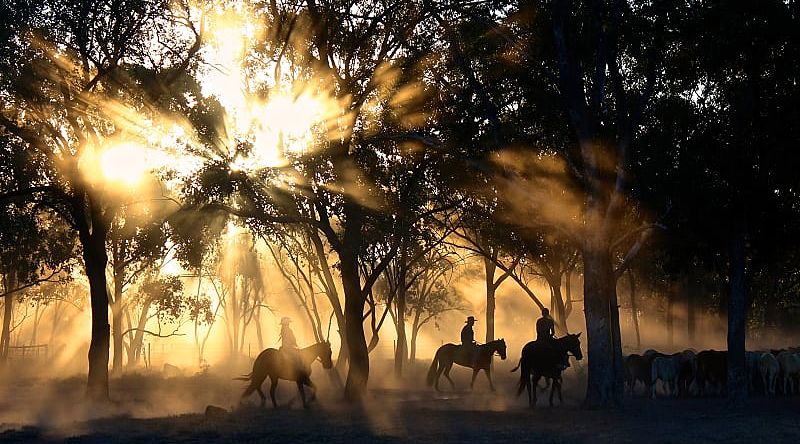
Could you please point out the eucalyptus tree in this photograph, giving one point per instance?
(77, 79)
(601, 62)
(347, 184)
(746, 98)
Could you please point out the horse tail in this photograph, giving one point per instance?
(518, 364)
(246, 377)
(433, 368)
(524, 376)
(251, 387)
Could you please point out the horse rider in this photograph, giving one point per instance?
(289, 343)
(545, 327)
(468, 343)
(546, 333)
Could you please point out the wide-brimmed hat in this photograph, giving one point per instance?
(285, 320)
(470, 319)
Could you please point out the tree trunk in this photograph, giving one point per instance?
(691, 307)
(568, 292)
(672, 294)
(55, 323)
(401, 350)
(634, 309)
(138, 337)
(559, 309)
(95, 260)
(358, 372)
(491, 300)
(116, 333)
(333, 297)
(737, 371)
(259, 332)
(8, 313)
(414, 333)
(605, 372)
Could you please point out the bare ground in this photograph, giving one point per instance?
(147, 406)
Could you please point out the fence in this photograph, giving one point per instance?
(22, 352)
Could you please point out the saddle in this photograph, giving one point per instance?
(547, 346)
(292, 357)
(468, 353)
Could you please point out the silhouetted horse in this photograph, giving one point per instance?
(546, 360)
(275, 364)
(450, 354)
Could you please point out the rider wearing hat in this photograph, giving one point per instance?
(289, 343)
(467, 335)
(468, 339)
(545, 333)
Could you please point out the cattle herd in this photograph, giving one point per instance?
(689, 373)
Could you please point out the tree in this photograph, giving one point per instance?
(346, 185)
(604, 78)
(431, 295)
(136, 242)
(69, 76)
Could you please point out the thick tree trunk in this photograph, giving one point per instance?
(605, 373)
(737, 313)
(358, 372)
(491, 300)
(95, 261)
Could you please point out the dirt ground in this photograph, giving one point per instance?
(155, 408)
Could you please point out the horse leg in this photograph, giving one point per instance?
(475, 372)
(447, 375)
(533, 392)
(560, 398)
(302, 393)
(262, 395)
(552, 391)
(273, 384)
(488, 371)
(528, 386)
(313, 387)
(439, 372)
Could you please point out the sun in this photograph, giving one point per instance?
(292, 116)
(125, 163)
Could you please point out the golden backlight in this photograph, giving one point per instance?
(125, 163)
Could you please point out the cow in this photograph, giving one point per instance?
(637, 368)
(664, 368)
(686, 365)
(790, 368)
(651, 354)
(712, 368)
(751, 363)
(769, 368)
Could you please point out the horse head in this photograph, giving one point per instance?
(326, 355)
(500, 347)
(572, 344)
